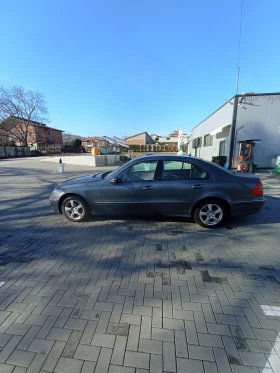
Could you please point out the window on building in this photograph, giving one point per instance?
(208, 140)
(199, 142)
(195, 143)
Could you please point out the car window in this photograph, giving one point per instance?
(198, 173)
(142, 171)
(178, 170)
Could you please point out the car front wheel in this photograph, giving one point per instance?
(75, 209)
(210, 214)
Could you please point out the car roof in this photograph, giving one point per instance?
(213, 168)
(164, 157)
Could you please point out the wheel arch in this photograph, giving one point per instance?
(66, 195)
(208, 198)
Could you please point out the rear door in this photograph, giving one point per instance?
(180, 185)
(134, 191)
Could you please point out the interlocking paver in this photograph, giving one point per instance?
(6, 368)
(120, 369)
(137, 359)
(9, 348)
(150, 346)
(75, 324)
(210, 367)
(84, 352)
(210, 340)
(189, 365)
(102, 284)
(256, 359)
(66, 365)
(156, 363)
(41, 346)
(201, 353)
(53, 357)
(133, 338)
(119, 350)
(103, 340)
(4, 339)
(21, 358)
(58, 334)
(163, 335)
(37, 363)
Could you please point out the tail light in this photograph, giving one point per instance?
(258, 190)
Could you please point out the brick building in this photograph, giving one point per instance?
(39, 136)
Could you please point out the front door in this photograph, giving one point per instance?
(133, 191)
(222, 149)
(180, 185)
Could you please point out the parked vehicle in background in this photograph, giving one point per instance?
(161, 184)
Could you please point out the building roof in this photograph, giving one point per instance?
(239, 95)
(39, 124)
(176, 134)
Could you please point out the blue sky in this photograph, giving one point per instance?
(116, 67)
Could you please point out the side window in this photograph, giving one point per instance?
(178, 170)
(143, 171)
(198, 173)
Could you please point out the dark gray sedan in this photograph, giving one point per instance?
(161, 184)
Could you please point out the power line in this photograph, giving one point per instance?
(239, 45)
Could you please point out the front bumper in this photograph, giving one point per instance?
(247, 207)
(54, 200)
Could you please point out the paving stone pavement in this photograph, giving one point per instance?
(133, 295)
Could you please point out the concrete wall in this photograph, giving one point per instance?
(261, 120)
(12, 151)
(221, 117)
(86, 160)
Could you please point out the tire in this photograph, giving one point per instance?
(210, 213)
(75, 209)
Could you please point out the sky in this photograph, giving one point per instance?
(119, 67)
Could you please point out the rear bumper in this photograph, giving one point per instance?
(247, 207)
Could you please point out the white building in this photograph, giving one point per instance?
(231, 129)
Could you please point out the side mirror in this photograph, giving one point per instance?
(115, 180)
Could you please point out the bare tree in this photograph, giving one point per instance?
(18, 108)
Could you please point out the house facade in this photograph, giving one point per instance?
(91, 142)
(171, 139)
(35, 135)
(142, 138)
(246, 128)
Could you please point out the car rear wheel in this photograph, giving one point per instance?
(210, 214)
(75, 209)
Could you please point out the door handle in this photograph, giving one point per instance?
(197, 186)
(148, 187)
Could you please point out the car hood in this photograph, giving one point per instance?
(83, 179)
